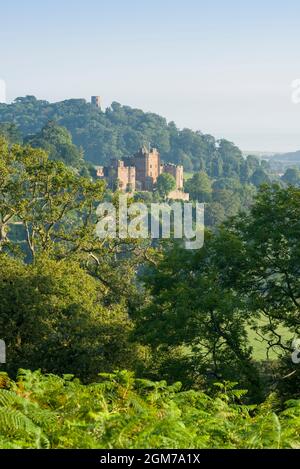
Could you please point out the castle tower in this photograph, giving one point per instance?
(96, 101)
(147, 165)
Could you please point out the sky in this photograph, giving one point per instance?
(222, 67)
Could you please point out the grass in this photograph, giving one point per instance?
(259, 345)
(188, 176)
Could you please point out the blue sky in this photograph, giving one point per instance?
(224, 67)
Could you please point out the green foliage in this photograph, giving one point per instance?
(204, 303)
(199, 187)
(54, 316)
(224, 197)
(45, 197)
(120, 411)
(57, 141)
(10, 132)
(292, 176)
(71, 303)
(190, 308)
(259, 253)
(165, 184)
(260, 177)
(64, 308)
(214, 214)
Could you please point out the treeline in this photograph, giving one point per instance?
(120, 130)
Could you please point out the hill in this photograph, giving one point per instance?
(119, 130)
(292, 157)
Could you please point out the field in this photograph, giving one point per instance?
(260, 350)
(188, 176)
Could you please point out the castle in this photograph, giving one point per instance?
(140, 172)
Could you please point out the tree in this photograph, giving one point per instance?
(165, 184)
(57, 141)
(199, 187)
(216, 167)
(231, 156)
(43, 196)
(247, 194)
(259, 256)
(259, 177)
(55, 211)
(214, 214)
(184, 159)
(292, 176)
(253, 163)
(53, 317)
(10, 132)
(191, 310)
(265, 165)
(46, 318)
(229, 199)
(227, 184)
(245, 172)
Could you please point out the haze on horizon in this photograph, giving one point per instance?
(224, 68)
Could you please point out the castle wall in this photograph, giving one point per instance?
(124, 176)
(176, 172)
(179, 195)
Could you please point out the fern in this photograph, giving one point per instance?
(120, 411)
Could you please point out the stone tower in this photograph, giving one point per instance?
(96, 101)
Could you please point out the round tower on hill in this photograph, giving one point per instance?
(96, 101)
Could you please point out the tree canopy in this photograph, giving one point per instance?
(165, 184)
